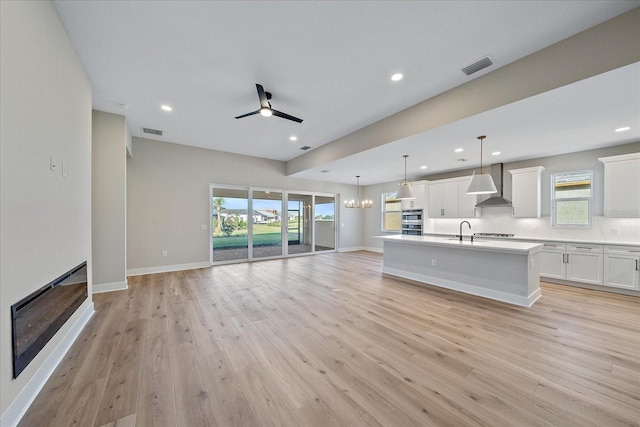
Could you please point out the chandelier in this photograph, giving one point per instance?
(358, 203)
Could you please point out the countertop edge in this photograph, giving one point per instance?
(487, 246)
(547, 239)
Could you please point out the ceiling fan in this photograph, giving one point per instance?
(265, 107)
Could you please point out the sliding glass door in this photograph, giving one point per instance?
(325, 223)
(299, 232)
(267, 223)
(249, 224)
(229, 224)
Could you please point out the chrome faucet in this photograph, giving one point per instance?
(461, 229)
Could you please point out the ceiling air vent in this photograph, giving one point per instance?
(305, 148)
(477, 66)
(152, 131)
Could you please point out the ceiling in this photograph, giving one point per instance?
(330, 63)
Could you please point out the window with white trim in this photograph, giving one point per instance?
(391, 212)
(571, 199)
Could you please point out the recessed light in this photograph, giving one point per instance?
(623, 129)
(293, 138)
(166, 107)
(423, 167)
(459, 150)
(396, 77)
(496, 153)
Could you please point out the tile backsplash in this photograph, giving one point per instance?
(499, 220)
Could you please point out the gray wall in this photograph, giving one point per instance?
(45, 218)
(493, 218)
(168, 199)
(109, 195)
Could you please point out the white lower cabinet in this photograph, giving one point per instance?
(572, 261)
(551, 260)
(584, 263)
(621, 267)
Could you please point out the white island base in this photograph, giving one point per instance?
(503, 271)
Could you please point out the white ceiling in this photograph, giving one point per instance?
(329, 63)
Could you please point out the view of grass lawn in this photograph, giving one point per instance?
(263, 235)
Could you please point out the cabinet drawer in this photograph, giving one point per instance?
(622, 250)
(579, 247)
(553, 246)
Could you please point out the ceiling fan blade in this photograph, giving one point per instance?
(285, 116)
(264, 102)
(248, 114)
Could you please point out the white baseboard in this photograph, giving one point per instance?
(373, 249)
(109, 287)
(351, 249)
(19, 407)
(167, 268)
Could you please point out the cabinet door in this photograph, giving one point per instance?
(419, 202)
(552, 264)
(525, 195)
(585, 267)
(621, 271)
(552, 260)
(450, 199)
(435, 200)
(622, 189)
(466, 202)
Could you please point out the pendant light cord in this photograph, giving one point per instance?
(405, 168)
(481, 138)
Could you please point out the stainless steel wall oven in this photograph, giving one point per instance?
(412, 221)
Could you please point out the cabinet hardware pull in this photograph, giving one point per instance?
(636, 265)
(564, 258)
(551, 246)
(567, 258)
(513, 210)
(583, 247)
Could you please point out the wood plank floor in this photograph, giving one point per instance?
(326, 340)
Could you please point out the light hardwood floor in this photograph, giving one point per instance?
(326, 340)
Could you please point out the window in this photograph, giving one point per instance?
(391, 212)
(571, 194)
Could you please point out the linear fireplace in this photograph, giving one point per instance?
(37, 317)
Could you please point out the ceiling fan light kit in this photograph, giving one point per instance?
(481, 183)
(265, 109)
(357, 204)
(405, 192)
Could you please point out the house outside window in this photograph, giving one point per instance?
(571, 199)
(391, 212)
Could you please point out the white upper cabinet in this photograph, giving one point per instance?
(448, 198)
(622, 186)
(466, 202)
(526, 192)
(418, 188)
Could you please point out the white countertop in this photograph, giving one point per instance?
(449, 241)
(545, 239)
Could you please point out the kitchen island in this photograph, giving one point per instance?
(504, 271)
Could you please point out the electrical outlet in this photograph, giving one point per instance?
(615, 231)
(433, 262)
(52, 163)
(164, 253)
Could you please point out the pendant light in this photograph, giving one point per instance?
(481, 183)
(358, 203)
(405, 192)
